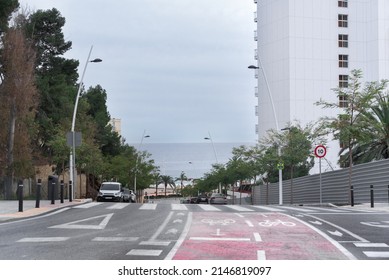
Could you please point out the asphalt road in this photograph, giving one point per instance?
(110, 231)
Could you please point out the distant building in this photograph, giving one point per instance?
(307, 48)
(116, 125)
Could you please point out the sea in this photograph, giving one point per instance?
(194, 159)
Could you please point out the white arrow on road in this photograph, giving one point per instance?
(179, 221)
(336, 233)
(172, 231)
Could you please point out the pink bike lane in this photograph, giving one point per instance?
(253, 236)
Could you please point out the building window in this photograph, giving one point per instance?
(343, 61)
(343, 20)
(343, 41)
(343, 103)
(343, 4)
(343, 81)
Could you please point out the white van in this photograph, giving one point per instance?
(111, 191)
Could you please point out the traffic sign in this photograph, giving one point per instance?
(280, 165)
(320, 151)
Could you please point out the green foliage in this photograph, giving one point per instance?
(7, 7)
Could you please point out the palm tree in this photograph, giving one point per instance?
(167, 180)
(373, 142)
(182, 178)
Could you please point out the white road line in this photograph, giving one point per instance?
(155, 243)
(208, 207)
(298, 209)
(271, 209)
(181, 239)
(161, 227)
(148, 206)
(115, 239)
(250, 224)
(81, 225)
(44, 239)
(239, 208)
(373, 254)
(88, 205)
(149, 253)
(320, 209)
(261, 255)
(117, 206)
(370, 245)
(257, 237)
(179, 207)
(220, 239)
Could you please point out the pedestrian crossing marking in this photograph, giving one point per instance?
(271, 209)
(149, 206)
(88, 205)
(207, 207)
(179, 207)
(118, 206)
(239, 208)
(43, 239)
(148, 253)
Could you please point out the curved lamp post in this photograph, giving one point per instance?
(137, 157)
(276, 122)
(72, 157)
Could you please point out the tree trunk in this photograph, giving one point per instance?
(10, 151)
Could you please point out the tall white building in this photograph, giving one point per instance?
(306, 48)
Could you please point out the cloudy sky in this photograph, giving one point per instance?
(176, 69)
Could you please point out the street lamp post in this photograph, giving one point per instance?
(214, 151)
(72, 156)
(137, 157)
(276, 122)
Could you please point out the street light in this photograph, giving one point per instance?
(276, 122)
(137, 157)
(72, 157)
(213, 146)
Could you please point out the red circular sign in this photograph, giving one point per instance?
(320, 151)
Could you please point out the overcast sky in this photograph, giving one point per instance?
(174, 68)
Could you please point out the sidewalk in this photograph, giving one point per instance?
(9, 209)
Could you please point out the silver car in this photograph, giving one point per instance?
(218, 198)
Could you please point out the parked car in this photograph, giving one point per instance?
(193, 200)
(218, 198)
(202, 198)
(129, 196)
(111, 191)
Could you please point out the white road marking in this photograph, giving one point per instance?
(88, 205)
(78, 224)
(220, 239)
(271, 209)
(370, 245)
(149, 253)
(115, 239)
(161, 227)
(155, 243)
(298, 209)
(179, 207)
(261, 255)
(373, 254)
(208, 207)
(257, 237)
(239, 208)
(181, 239)
(44, 239)
(118, 206)
(149, 206)
(250, 224)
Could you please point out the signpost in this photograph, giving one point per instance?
(320, 152)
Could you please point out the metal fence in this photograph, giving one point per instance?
(334, 187)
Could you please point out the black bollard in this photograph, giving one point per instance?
(20, 195)
(388, 193)
(38, 193)
(61, 192)
(371, 196)
(70, 191)
(52, 192)
(352, 195)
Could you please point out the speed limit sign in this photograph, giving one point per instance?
(320, 151)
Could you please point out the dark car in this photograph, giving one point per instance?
(202, 198)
